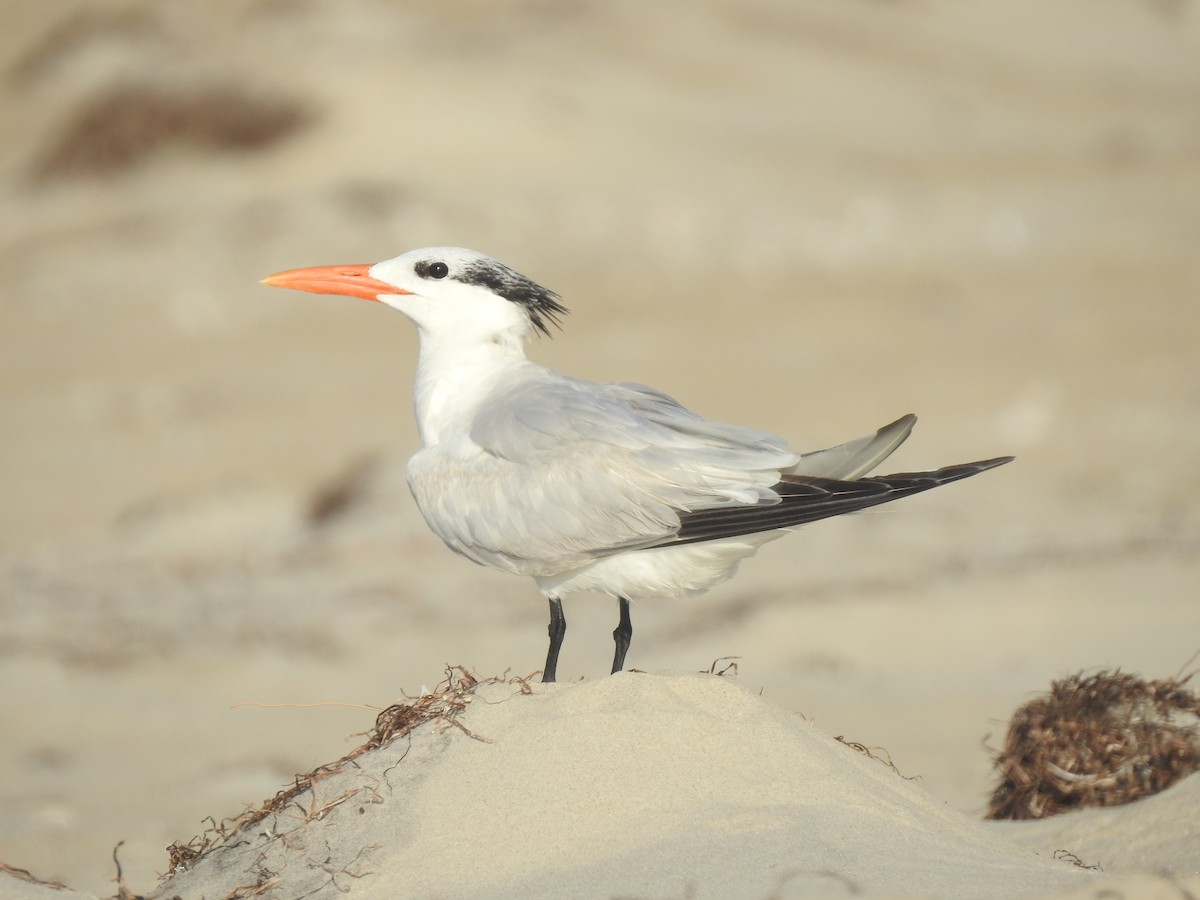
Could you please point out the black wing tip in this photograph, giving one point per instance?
(806, 499)
(945, 474)
(984, 464)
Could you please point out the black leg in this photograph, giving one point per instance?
(558, 628)
(622, 635)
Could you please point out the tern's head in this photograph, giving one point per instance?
(446, 291)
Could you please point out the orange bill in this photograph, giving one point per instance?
(350, 281)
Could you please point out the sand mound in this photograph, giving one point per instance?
(635, 785)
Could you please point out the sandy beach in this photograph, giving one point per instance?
(809, 220)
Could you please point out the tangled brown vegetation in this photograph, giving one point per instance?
(1096, 740)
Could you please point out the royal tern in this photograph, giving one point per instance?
(615, 488)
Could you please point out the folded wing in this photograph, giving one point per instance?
(807, 498)
(557, 472)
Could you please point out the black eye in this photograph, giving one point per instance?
(437, 270)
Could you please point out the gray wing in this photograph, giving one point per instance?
(826, 483)
(856, 458)
(557, 472)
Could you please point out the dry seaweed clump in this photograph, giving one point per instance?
(1097, 740)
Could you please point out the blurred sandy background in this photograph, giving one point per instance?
(809, 218)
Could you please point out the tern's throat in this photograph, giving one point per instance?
(453, 377)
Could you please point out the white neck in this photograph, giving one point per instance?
(453, 377)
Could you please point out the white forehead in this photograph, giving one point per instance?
(452, 256)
